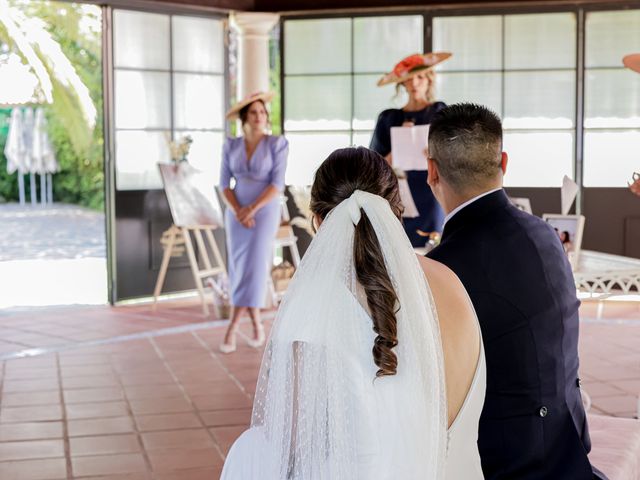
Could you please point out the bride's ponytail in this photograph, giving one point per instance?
(381, 296)
(343, 172)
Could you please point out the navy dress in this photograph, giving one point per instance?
(431, 215)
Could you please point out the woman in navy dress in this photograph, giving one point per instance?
(257, 162)
(415, 73)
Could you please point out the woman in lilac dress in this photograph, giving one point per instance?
(257, 163)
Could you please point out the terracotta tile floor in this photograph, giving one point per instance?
(126, 393)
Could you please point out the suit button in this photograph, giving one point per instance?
(579, 383)
(543, 412)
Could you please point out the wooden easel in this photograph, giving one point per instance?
(177, 240)
(196, 214)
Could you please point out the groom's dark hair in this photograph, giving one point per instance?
(342, 173)
(465, 141)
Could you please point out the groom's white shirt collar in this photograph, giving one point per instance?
(468, 202)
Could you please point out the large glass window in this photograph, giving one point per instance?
(612, 99)
(168, 83)
(331, 100)
(524, 68)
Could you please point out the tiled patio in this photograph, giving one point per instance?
(127, 393)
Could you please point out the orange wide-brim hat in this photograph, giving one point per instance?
(233, 112)
(412, 66)
(632, 61)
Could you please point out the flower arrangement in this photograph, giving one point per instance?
(219, 286)
(409, 64)
(179, 148)
(302, 199)
(634, 185)
(281, 275)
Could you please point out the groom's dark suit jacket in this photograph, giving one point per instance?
(533, 424)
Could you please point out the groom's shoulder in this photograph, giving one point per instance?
(529, 223)
(500, 228)
(517, 235)
(511, 218)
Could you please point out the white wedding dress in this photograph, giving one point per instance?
(463, 458)
(319, 412)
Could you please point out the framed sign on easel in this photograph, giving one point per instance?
(196, 215)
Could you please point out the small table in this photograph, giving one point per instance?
(604, 275)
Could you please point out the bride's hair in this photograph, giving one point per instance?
(343, 172)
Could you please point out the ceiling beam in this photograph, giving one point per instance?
(336, 6)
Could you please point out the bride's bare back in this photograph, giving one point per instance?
(459, 331)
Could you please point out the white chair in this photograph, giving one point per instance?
(285, 238)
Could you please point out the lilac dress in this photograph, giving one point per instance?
(250, 250)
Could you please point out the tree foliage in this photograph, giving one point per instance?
(79, 148)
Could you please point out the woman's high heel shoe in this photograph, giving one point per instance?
(257, 342)
(229, 347)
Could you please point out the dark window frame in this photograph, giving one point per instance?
(580, 9)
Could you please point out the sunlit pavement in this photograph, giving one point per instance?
(53, 282)
(51, 255)
(50, 231)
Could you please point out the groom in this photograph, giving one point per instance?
(533, 425)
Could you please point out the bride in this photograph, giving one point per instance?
(375, 368)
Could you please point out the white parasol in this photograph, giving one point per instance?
(43, 157)
(42, 154)
(28, 122)
(14, 149)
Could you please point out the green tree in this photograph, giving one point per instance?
(49, 36)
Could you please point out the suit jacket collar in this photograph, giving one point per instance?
(475, 210)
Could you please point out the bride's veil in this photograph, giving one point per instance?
(318, 405)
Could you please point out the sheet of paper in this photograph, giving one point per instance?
(408, 146)
(568, 194)
(410, 209)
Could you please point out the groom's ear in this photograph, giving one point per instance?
(434, 176)
(503, 162)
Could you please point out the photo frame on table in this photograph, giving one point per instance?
(569, 229)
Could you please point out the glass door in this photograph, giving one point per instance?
(167, 80)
